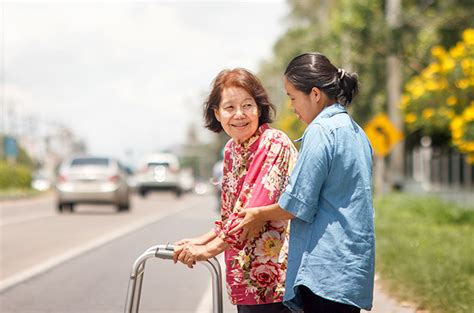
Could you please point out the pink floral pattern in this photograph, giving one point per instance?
(255, 174)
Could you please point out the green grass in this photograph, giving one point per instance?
(17, 193)
(425, 252)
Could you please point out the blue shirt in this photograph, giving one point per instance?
(332, 241)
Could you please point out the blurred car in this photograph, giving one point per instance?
(90, 179)
(40, 182)
(187, 181)
(159, 171)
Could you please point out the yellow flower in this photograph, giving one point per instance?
(432, 85)
(404, 101)
(447, 64)
(410, 118)
(427, 113)
(462, 83)
(438, 51)
(456, 123)
(452, 100)
(457, 51)
(417, 91)
(430, 71)
(461, 130)
(468, 113)
(468, 36)
(467, 66)
(470, 146)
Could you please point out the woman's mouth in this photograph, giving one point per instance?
(240, 125)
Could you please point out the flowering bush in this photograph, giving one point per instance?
(462, 130)
(440, 98)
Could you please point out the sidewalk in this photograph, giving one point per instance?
(461, 196)
(383, 303)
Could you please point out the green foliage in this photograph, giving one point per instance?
(14, 176)
(441, 97)
(355, 36)
(424, 252)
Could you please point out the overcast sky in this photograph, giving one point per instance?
(128, 75)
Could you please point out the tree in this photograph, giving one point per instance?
(354, 34)
(439, 102)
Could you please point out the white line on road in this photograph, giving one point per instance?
(24, 218)
(205, 306)
(55, 261)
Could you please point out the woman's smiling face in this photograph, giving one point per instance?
(238, 113)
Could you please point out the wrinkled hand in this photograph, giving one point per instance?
(184, 241)
(250, 225)
(189, 254)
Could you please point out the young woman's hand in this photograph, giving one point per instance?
(250, 224)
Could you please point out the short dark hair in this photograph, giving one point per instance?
(242, 78)
(313, 69)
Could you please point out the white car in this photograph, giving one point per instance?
(159, 171)
(90, 179)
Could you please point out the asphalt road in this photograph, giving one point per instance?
(84, 259)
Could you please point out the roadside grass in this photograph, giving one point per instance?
(425, 252)
(16, 193)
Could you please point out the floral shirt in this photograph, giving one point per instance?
(255, 174)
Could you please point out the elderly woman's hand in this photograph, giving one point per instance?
(195, 241)
(189, 254)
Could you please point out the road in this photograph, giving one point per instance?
(81, 261)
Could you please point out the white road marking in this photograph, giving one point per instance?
(24, 218)
(74, 252)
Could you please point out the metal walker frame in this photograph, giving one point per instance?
(166, 252)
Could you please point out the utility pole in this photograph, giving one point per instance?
(3, 129)
(394, 90)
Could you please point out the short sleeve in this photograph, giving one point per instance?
(302, 193)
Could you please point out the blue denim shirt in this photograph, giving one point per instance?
(332, 241)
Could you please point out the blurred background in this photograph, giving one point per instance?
(109, 94)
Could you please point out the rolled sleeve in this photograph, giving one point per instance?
(217, 228)
(296, 207)
(301, 196)
(222, 230)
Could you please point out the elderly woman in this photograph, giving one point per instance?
(257, 164)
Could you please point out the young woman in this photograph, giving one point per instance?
(329, 196)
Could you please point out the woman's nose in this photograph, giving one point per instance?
(239, 112)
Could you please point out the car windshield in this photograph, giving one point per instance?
(90, 161)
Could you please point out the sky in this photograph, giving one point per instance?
(127, 76)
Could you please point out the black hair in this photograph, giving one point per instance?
(313, 69)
